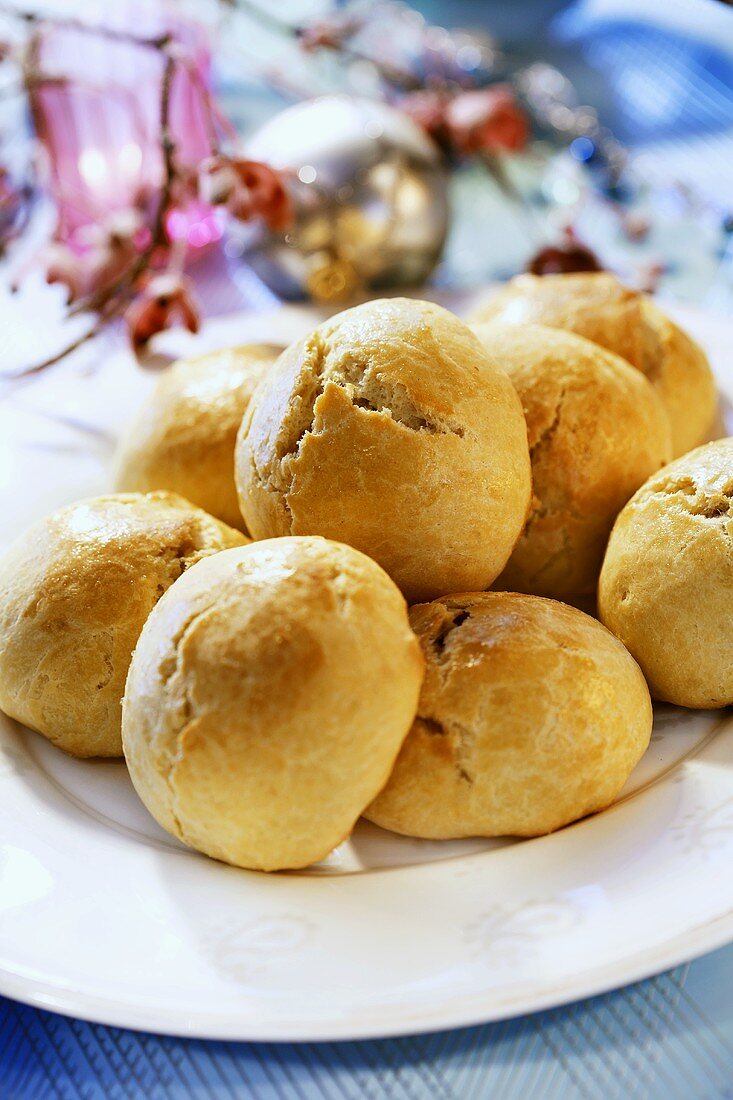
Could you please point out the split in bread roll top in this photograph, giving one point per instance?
(531, 716)
(390, 429)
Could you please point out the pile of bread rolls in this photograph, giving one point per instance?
(234, 619)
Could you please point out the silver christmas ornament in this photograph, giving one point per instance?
(370, 195)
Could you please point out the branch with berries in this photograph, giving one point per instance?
(483, 106)
(127, 265)
(457, 86)
(430, 82)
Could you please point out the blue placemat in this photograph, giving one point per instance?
(667, 1038)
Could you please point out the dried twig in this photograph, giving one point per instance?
(111, 300)
(401, 79)
(37, 368)
(30, 17)
(158, 238)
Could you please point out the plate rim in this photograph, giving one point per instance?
(485, 1009)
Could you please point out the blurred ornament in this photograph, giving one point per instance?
(560, 259)
(369, 193)
(330, 280)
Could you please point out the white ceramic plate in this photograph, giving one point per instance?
(103, 916)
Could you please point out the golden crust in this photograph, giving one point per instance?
(391, 430)
(267, 699)
(666, 587)
(596, 431)
(75, 591)
(531, 716)
(598, 307)
(183, 438)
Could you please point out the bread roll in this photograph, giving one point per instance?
(75, 591)
(531, 715)
(666, 587)
(389, 428)
(183, 437)
(267, 700)
(596, 305)
(597, 430)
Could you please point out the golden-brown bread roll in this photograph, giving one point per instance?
(531, 715)
(666, 587)
(267, 699)
(596, 305)
(75, 591)
(183, 437)
(390, 429)
(597, 430)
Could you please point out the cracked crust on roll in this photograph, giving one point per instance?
(531, 716)
(666, 587)
(75, 591)
(596, 430)
(268, 698)
(600, 308)
(390, 429)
